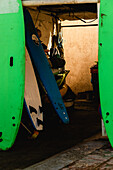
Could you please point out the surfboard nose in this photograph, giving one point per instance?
(66, 120)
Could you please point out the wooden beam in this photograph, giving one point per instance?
(55, 2)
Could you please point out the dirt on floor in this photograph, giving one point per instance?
(55, 137)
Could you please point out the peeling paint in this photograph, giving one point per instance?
(102, 19)
(9, 6)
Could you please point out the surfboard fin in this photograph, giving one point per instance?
(32, 109)
(40, 122)
(41, 109)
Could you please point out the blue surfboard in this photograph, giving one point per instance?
(43, 68)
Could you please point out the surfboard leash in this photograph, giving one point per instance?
(33, 135)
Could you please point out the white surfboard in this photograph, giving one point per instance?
(32, 95)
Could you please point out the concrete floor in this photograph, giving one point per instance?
(93, 153)
(55, 138)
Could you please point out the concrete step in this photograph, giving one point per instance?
(84, 104)
(95, 152)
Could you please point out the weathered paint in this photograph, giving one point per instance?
(102, 15)
(9, 6)
(53, 2)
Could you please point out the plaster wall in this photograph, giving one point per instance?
(81, 52)
(44, 23)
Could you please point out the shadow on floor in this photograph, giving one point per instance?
(56, 137)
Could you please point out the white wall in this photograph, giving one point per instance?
(81, 52)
